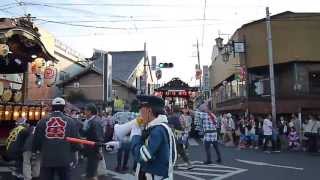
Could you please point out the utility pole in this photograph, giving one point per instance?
(144, 89)
(198, 56)
(204, 21)
(271, 71)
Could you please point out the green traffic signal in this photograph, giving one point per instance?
(165, 65)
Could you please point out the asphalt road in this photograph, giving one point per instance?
(237, 165)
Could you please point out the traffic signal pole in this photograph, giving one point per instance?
(271, 71)
(198, 56)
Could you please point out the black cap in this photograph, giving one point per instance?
(151, 101)
(92, 108)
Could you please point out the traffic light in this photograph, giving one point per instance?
(165, 65)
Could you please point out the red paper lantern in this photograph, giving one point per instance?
(50, 75)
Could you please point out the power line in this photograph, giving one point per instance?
(21, 4)
(9, 4)
(138, 20)
(204, 21)
(7, 12)
(116, 28)
(113, 4)
(62, 8)
(70, 9)
(82, 25)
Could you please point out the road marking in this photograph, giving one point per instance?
(4, 169)
(267, 164)
(207, 171)
(116, 175)
(199, 172)
(182, 173)
(193, 142)
(202, 169)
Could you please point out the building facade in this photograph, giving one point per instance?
(240, 79)
(87, 86)
(68, 63)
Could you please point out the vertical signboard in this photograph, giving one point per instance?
(206, 78)
(153, 63)
(198, 72)
(107, 77)
(143, 83)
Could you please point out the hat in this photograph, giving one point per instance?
(92, 108)
(229, 115)
(152, 101)
(58, 101)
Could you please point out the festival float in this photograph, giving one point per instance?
(22, 56)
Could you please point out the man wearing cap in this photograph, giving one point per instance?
(49, 139)
(154, 148)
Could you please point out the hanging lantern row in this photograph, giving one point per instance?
(44, 74)
(13, 113)
(176, 93)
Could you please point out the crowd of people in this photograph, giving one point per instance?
(41, 151)
(287, 134)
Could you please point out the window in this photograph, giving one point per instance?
(314, 82)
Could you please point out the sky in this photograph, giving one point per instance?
(170, 28)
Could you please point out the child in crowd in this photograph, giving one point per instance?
(293, 139)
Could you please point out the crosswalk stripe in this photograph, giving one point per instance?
(4, 169)
(213, 165)
(181, 173)
(203, 169)
(193, 142)
(200, 173)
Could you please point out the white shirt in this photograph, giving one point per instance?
(312, 126)
(267, 127)
(224, 123)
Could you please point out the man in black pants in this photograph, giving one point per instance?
(49, 139)
(175, 124)
(92, 130)
(208, 125)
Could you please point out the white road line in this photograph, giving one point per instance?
(267, 164)
(199, 173)
(116, 175)
(213, 165)
(222, 172)
(230, 174)
(193, 142)
(182, 173)
(5, 169)
(202, 169)
(288, 167)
